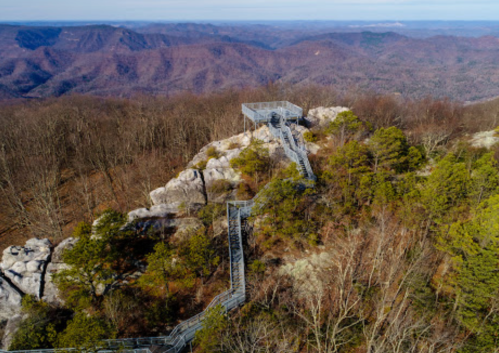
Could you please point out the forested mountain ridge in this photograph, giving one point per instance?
(169, 59)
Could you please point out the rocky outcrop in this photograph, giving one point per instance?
(25, 265)
(10, 329)
(10, 300)
(484, 139)
(186, 227)
(158, 211)
(307, 272)
(50, 291)
(188, 187)
(322, 116)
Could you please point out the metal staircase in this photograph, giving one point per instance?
(298, 154)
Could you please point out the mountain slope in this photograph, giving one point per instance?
(168, 59)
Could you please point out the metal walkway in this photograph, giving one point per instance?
(238, 213)
(298, 154)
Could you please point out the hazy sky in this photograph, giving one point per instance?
(31, 10)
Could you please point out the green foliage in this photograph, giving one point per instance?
(253, 160)
(446, 189)
(484, 179)
(291, 171)
(474, 247)
(389, 149)
(209, 337)
(284, 203)
(201, 165)
(84, 332)
(94, 260)
(345, 126)
(198, 254)
(349, 169)
(160, 269)
(209, 213)
(212, 152)
(309, 136)
(37, 329)
(257, 268)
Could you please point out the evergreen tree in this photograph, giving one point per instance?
(85, 333)
(345, 126)
(446, 189)
(208, 339)
(389, 149)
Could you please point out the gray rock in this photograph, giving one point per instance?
(186, 227)
(158, 211)
(50, 292)
(485, 139)
(322, 116)
(220, 226)
(187, 188)
(24, 265)
(10, 329)
(10, 300)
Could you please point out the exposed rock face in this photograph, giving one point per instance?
(185, 227)
(484, 139)
(322, 116)
(158, 211)
(306, 272)
(50, 292)
(10, 300)
(10, 329)
(188, 187)
(24, 265)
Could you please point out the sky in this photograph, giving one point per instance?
(192, 10)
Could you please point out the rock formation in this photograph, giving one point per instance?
(50, 292)
(25, 265)
(10, 300)
(321, 116)
(484, 139)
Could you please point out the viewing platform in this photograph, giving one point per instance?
(263, 112)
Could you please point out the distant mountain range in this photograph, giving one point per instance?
(42, 61)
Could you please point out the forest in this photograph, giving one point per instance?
(403, 219)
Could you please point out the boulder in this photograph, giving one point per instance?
(187, 188)
(307, 272)
(10, 300)
(24, 265)
(50, 291)
(158, 211)
(185, 227)
(484, 139)
(322, 116)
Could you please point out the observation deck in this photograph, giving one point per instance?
(264, 111)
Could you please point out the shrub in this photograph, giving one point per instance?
(220, 186)
(209, 337)
(85, 331)
(35, 330)
(212, 152)
(244, 191)
(201, 165)
(211, 212)
(253, 160)
(309, 136)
